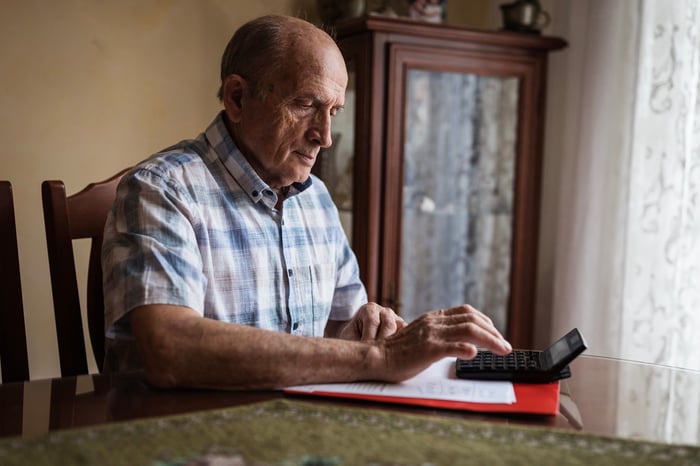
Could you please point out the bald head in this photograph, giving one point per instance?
(264, 47)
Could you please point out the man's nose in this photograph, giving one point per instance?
(320, 132)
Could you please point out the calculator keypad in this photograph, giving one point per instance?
(516, 360)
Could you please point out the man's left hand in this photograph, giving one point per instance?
(370, 322)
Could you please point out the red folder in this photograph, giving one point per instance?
(530, 399)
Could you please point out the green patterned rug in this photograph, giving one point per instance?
(285, 432)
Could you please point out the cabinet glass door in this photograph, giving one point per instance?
(459, 154)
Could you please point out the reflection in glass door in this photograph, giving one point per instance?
(459, 169)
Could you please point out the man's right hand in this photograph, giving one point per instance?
(457, 332)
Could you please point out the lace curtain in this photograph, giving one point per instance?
(621, 209)
(663, 236)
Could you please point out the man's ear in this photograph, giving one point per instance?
(233, 89)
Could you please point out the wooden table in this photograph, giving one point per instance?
(604, 396)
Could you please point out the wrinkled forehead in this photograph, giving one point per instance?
(317, 62)
(312, 46)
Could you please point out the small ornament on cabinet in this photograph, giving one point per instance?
(332, 11)
(388, 8)
(432, 11)
(524, 16)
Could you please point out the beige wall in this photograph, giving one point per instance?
(90, 87)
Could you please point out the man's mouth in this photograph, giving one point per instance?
(306, 158)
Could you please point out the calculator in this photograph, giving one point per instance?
(525, 365)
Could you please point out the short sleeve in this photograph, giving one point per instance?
(150, 253)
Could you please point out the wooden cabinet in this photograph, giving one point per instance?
(437, 167)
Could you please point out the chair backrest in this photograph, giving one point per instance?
(13, 338)
(66, 218)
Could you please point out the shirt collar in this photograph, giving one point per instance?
(226, 150)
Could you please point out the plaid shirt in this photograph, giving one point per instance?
(195, 226)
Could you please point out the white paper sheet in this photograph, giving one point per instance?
(437, 382)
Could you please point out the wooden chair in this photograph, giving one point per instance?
(67, 218)
(13, 339)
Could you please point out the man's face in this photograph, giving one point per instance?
(281, 133)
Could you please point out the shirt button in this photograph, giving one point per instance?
(255, 193)
(295, 325)
(290, 272)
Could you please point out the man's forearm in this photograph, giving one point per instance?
(180, 348)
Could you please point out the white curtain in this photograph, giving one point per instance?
(662, 264)
(620, 254)
(620, 238)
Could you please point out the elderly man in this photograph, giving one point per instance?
(224, 261)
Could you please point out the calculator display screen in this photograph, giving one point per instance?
(559, 350)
